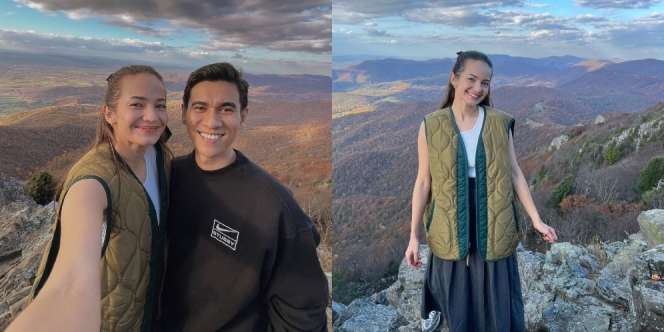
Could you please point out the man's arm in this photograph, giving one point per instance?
(297, 293)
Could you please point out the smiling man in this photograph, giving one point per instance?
(242, 253)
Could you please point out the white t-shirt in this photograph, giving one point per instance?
(151, 183)
(470, 138)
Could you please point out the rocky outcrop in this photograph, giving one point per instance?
(609, 287)
(600, 119)
(557, 142)
(24, 230)
(651, 224)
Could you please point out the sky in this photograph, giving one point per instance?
(260, 36)
(415, 29)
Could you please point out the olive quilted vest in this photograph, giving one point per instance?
(132, 253)
(446, 214)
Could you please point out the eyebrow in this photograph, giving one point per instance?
(475, 76)
(229, 103)
(144, 98)
(202, 103)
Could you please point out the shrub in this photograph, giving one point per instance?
(654, 198)
(41, 187)
(613, 153)
(651, 174)
(562, 190)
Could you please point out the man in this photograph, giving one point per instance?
(241, 254)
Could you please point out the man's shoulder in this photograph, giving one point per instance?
(262, 179)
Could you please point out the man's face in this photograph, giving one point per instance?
(213, 118)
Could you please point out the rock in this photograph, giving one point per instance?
(599, 119)
(535, 296)
(337, 309)
(412, 282)
(651, 224)
(11, 190)
(364, 315)
(557, 142)
(565, 289)
(562, 316)
(569, 270)
(24, 231)
(647, 302)
(612, 283)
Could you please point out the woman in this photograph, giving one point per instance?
(111, 203)
(464, 197)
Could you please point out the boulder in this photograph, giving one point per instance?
(613, 282)
(647, 288)
(599, 119)
(364, 315)
(651, 225)
(557, 142)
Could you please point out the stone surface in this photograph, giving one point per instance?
(647, 300)
(612, 283)
(599, 119)
(651, 224)
(365, 315)
(557, 142)
(24, 231)
(566, 289)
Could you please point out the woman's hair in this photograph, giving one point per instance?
(458, 67)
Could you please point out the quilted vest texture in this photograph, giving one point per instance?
(446, 215)
(132, 254)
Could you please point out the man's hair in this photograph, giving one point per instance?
(221, 71)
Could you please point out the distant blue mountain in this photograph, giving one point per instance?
(557, 68)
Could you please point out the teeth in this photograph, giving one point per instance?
(210, 136)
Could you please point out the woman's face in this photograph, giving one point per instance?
(140, 116)
(472, 84)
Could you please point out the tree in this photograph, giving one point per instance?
(651, 174)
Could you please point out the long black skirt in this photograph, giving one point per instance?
(474, 295)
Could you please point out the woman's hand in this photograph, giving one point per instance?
(547, 232)
(412, 253)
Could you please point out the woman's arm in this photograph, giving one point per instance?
(71, 297)
(522, 190)
(421, 191)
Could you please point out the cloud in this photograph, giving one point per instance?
(378, 33)
(353, 11)
(289, 25)
(643, 32)
(617, 3)
(38, 42)
(456, 16)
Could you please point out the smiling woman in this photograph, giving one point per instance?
(464, 197)
(110, 203)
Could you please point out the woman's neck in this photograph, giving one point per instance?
(133, 155)
(463, 111)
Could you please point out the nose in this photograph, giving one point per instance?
(212, 120)
(150, 114)
(477, 87)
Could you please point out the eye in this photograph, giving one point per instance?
(485, 84)
(161, 107)
(227, 110)
(136, 105)
(199, 108)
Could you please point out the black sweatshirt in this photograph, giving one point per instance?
(241, 253)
